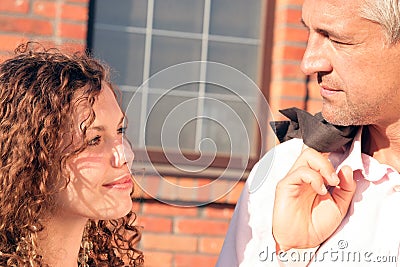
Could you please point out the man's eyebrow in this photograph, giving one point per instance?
(324, 32)
(304, 24)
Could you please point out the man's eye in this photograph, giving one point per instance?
(122, 130)
(95, 141)
(338, 42)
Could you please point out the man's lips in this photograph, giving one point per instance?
(326, 91)
(123, 182)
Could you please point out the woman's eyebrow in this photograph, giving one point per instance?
(102, 128)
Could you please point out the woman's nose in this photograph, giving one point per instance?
(122, 154)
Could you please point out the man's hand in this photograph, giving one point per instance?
(305, 212)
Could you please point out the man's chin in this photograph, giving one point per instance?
(336, 118)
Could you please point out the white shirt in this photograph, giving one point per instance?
(369, 235)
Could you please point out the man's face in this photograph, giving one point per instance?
(358, 70)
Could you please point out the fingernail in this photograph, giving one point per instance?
(335, 177)
(324, 190)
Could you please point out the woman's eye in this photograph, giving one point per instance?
(95, 141)
(122, 130)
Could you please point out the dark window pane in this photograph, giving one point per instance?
(230, 124)
(242, 57)
(122, 12)
(131, 105)
(168, 51)
(179, 15)
(170, 119)
(235, 18)
(124, 52)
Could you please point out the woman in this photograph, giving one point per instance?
(65, 166)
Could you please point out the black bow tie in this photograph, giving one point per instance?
(314, 130)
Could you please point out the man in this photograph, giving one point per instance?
(319, 210)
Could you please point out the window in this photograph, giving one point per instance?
(192, 122)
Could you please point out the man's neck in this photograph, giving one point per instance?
(383, 144)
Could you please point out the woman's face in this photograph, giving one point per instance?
(100, 180)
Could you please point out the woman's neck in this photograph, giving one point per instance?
(60, 240)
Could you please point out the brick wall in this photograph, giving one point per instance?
(52, 22)
(176, 236)
(289, 86)
(173, 236)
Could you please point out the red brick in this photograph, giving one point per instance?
(290, 2)
(289, 71)
(157, 259)
(155, 224)
(186, 260)
(66, 46)
(219, 211)
(286, 88)
(45, 9)
(284, 16)
(228, 192)
(205, 193)
(168, 242)
(78, 1)
(4, 56)
(74, 47)
(204, 181)
(25, 25)
(74, 31)
(290, 34)
(220, 190)
(234, 194)
(147, 187)
(211, 245)
(314, 106)
(165, 209)
(10, 42)
(200, 226)
(286, 52)
(187, 189)
(288, 103)
(314, 89)
(293, 16)
(16, 6)
(74, 12)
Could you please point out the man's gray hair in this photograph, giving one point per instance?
(387, 14)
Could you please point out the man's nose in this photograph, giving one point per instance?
(316, 56)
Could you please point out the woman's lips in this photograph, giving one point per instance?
(124, 182)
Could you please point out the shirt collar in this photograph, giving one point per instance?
(370, 168)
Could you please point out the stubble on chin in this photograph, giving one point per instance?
(347, 115)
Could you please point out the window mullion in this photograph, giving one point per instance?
(203, 72)
(146, 70)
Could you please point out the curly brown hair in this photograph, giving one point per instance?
(37, 88)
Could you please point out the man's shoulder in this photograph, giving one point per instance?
(282, 153)
(275, 163)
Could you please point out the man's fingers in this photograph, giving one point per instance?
(346, 179)
(306, 176)
(344, 192)
(318, 162)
